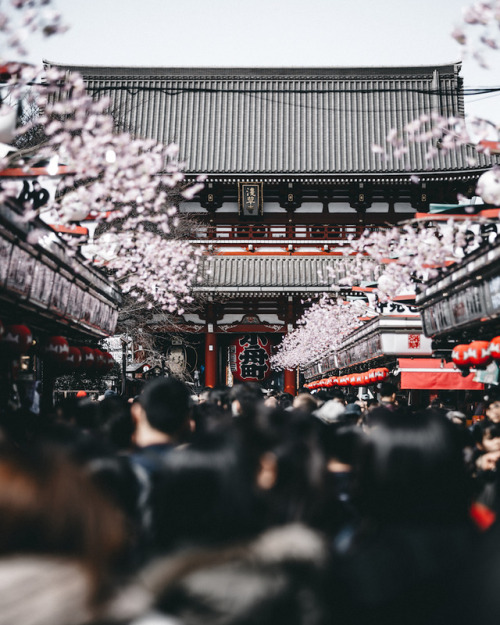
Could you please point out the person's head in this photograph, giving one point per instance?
(387, 392)
(305, 403)
(352, 413)
(219, 396)
(372, 403)
(457, 417)
(115, 421)
(205, 493)
(285, 400)
(48, 507)
(166, 403)
(411, 469)
(489, 436)
(246, 399)
(492, 409)
(291, 465)
(330, 412)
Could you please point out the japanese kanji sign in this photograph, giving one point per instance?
(250, 199)
(250, 358)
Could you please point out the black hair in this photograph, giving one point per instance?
(412, 469)
(204, 493)
(386, 389)
(249, 395)
(166, 402)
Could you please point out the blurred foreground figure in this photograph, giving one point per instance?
(60, 541)
(408, 559)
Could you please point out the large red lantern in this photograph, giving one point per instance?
(479, 353)
(249, 357)
(88, 357)
(17, 339)
(352, 379)
(460, 355)
(495, 348)
(74, 359)
(56, 349)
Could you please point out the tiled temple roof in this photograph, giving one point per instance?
(283, 121)
(269, 274)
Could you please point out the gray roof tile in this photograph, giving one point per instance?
(234, 274)
(274, 120)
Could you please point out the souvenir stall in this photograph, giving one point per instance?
(54, 310)
(391, 347)
(461, 314)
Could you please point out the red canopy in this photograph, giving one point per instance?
(434, 374)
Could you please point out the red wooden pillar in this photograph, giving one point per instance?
(210, 349)
(290, 376)
(289, 382)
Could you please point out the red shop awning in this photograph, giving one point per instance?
(434, 374)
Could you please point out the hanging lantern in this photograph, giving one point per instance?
(372, 378)
(359, 379)
(56, 349)
(88, 357)
(99, 362)
(479, 353)
(335, 381)
(381, 374)
(17, 339)
(495, 348)
(74, 359)
(109, 361)
(460, 355)
(352, 379)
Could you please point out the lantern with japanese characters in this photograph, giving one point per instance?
(249, 358)
(479, 353)
(495, 348)
(460, 355)
(99, 360)
(88, 358)
(109, 362)
(17, 340)
(56, 350)
(74, 359)
(381, 374)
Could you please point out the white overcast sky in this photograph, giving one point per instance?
(268, 33)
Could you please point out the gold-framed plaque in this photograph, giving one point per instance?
(250, 202)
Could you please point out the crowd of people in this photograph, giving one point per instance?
(248, 508)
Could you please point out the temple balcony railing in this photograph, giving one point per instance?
(235, 234)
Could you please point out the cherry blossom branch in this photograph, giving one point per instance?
(133, 186)
(320, 330)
